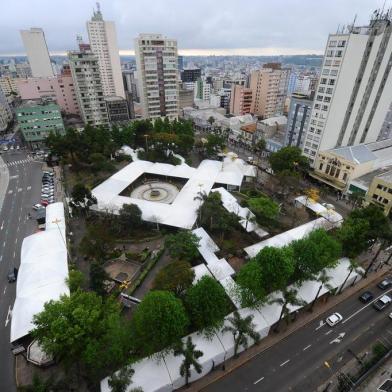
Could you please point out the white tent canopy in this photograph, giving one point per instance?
(42, 273)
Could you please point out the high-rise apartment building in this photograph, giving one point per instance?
(37, 52)
(355, 87)
(298, 119)
(88, 86)
(269, 90)
(157, 68)
(5, 112)
(190, 74)
(202, 90)
(103, 43)
(240, 100)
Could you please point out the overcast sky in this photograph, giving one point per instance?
(200, 26)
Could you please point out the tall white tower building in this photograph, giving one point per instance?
(157, 67)
(103, 43)
(88, 86)
(355, 87)
(37, 52)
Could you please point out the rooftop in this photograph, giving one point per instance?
(272, 121)
(356, 154)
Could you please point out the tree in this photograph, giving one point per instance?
(129, 218)
(183, 245)
(75, 280)
(83, 329)
(289, 297)
(264, 208)
(356, 199)
(288, 158)
(250, 288)
(324, 279)
(98, 242)
(241, 329)
(190, 358)
(176, 277)
(277, 265)
(120, 380)
(97, 278)
(354, 266)
(207, 305)
(353, 235)
(82, 197)
(158, 323)
(214, 144)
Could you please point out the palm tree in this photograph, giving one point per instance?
(190, 358)
(324, 280)
(120, 381)
(249, 217)
(289, 297)
(241, 328)
(202, 197)
(385, 242)
(353, 267)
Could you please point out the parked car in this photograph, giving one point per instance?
(334, 319)
(383, 302)
(17, 147)
(366, 297)
(390, 315)
(5, 148)
(12, 147)
(12, 275)
(44, 203)
(385, 283)
(37, 207)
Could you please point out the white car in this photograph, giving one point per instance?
(5, 148)
(17, 147)
(334, 319)
(12, 147)
(37, 207)
(390, 315)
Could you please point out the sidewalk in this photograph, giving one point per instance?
(4, 180)
(303, 318)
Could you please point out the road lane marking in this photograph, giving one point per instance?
(257, 381)
(9, 314)
(322, 323)
(364, 307)
(305, 348)
(284, 363)
(339, 338)
(328, 332)
(2, 226)
(4, 244)
(1, 258)
(16, 241)
(5, 289)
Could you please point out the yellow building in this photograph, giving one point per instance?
(380, 191)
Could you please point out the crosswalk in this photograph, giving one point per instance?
(16, 163)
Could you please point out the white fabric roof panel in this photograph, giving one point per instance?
(182, 212)
(213, 354)
(230, 286)
(42, 272)
(285, 238)
(307, 292)
(150, 375)
(340, 273)
(200, 271)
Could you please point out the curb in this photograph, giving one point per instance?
(268, 346)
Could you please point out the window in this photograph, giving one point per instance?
(345, 177)
(331, 82)
(321, 166)
(323, 81)
(379, 186)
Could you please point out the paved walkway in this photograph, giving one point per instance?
(4, 180)
(303, 318)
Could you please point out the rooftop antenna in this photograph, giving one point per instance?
(337, 31)
(98, 7)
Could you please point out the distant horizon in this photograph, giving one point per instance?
(241, 52)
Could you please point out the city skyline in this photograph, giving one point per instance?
(205, 29)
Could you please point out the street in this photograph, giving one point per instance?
(297, 362)
(23, 191)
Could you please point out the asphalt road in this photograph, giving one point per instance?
(297, 362)
(23, 191)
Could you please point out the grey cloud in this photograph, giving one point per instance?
(201, 24)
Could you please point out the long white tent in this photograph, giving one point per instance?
(42, 273)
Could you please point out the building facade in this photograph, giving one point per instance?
(103, 43)
(60, 88)
(117, 108)
(157, 66)
(37, 52)
(5, 112)
(37, 118)
(298, 119)
(202, 90)
(355, 88)
(269, 90)
(8, 85)
(186, 98)
(240, 100)
(190, 75)
(88, 86)
(380, 192)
